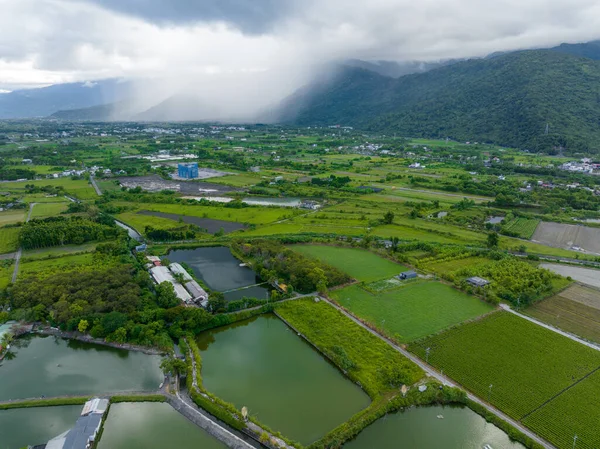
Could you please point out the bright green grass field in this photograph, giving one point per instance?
(12, 216)
(526, 364)
(358, 263)
(5, 275)
(9, 240)
(139, 222)
(413, 311)
(44, 210)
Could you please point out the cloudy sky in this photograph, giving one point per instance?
(50, 41)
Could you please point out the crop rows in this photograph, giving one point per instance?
(523, 227)
(574, 412)
(525, 364)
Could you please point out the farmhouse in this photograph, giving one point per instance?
(478, 282)
(407, 275)
(199, 295)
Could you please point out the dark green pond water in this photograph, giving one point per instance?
(220, 270)
(30, 426)
(53, 366)
(152, 426)
(284, 382)
(419, 428)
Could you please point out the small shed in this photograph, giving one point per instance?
(407, 275)
(476, 281)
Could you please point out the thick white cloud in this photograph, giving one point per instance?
(274, 41)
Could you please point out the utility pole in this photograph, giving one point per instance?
(427, 355)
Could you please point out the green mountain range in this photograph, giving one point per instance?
(536, 100)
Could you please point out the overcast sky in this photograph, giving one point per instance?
(51, 41)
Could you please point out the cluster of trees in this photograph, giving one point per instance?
(514, 280)
(337, 182)
(116, 304)
(53, 231)
(165, 235)
(273, 261)
(12, 174)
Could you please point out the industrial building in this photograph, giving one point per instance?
(188, 291)
(187, 171)
(83, 434)
(162, 274)
(198, 294)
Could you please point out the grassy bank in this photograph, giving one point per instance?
(51, 402)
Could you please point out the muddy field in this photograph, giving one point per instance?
(156, 183)
(568, 236)
(209, 224)
(586, 276)
(575, 310)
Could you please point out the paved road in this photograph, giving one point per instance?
(20, 250)
(553, 329)
(95, 186)
(446, 381)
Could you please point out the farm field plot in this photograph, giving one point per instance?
(358, 263)
(9, 240)
(12, 216)
(526, 364)
(237, 180)
(139, 222)
(413, 311)
(523, 227)
(29, 268)
(6, 271)
(43, 210)
(409, 233)
(255, 215)
(57, 251)
(573, 412)
(575, 310)
(566, 236)
(587, 276)
(77, 187)
(456, 264)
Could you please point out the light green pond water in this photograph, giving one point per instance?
(284, 382)
(148, 425)
(30, 426)
(53, 366)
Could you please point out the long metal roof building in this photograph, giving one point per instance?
(163, 274)
(197, 292)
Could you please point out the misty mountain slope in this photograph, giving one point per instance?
(44, 101)
(180, 107)
(118, 111)
(585, 50)
(507, 100)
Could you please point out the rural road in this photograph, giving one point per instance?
(95, 186)
(20, 250)
(445, 380)
(551, 328)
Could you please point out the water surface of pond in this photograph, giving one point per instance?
(52, 366)
(217, 267)
(147, 425)
(263, 365)
(420, 428)
(31, 426)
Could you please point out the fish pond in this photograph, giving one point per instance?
(433, 428)
(148, 425)
(31, 426)
(221, 271)
(262, 364)
(51, 366)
